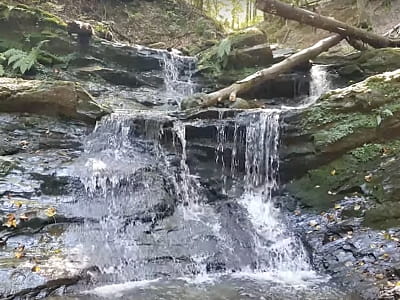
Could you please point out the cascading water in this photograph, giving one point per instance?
(319, 83)
(278, 250)
(151, 228)
(178, 72)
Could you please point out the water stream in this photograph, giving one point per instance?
(152, 230)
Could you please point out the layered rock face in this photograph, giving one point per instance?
(347, 143)
(56, 98)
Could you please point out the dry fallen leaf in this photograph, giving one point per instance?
(379, 276)
(20, 252)
(35, 269)
(333, 172)
(368, 178)
(313, 223)
(10, 221)
(51, 212)
(18, 203)
(385, 256)
(338, 206)
(357, 207)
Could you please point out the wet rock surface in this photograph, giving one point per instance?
(59, 98)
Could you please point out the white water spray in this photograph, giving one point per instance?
(178, 71)
(278, 250)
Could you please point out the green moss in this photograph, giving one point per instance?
(322, 186)
(346, 127)
(376, 61)
(367, 152)
(348, 111)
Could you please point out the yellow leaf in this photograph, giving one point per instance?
(18, 204)
(385, 256)
(333, 172)
(11, 221)
(51, 212)
(387, 236)
(398, 283)
(368, 178)
(35, 269)
(338, 206)
(357, 207)
(20, 251)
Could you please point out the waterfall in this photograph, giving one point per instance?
(278, 250)
(319, 83)
(178, 71)
(153, 220)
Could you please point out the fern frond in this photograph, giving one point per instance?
(22, 60)
(11, 52)
(15, 57)
(224, 48)
(25, 63)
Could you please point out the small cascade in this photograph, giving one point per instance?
(118, 172)
(319, 84)
(278, 250)
(219, 151)
(186, 186)
(178, 72)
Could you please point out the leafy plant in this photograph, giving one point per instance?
(20, 60)
(2, 59)
(223, 51)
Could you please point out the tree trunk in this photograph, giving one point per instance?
(307, 17)
(261, 76)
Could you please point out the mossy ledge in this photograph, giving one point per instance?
(348, 144)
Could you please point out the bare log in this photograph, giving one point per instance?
(261, 76)
(303, 16)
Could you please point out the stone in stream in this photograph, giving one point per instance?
(57, 98)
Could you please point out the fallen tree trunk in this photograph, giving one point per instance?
(303, 16)
(261, 76)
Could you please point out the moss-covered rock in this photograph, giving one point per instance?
(349, 142)
(341, 121)
(360, 171)
(360, 65)
(235, 54)
(23, 27)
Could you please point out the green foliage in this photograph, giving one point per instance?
(20, 60)
(367, 152)
(223, 51)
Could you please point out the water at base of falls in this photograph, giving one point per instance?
(153, 233)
